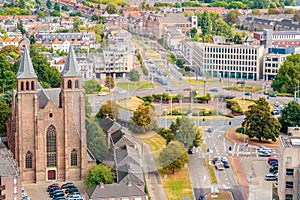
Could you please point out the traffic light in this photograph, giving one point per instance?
(229, 148)
(229, 123)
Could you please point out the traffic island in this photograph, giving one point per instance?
(211, 171)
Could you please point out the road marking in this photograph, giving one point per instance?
(233, 149)
(237, 150)
(204, 178)
(224, 144)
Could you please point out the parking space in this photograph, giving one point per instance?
(39, 191)
(255, 170)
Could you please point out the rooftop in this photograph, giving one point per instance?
(290, 142)
(9, 166)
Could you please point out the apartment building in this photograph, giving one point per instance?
(274, 59)
(10, 179)
(271, 38)
(289, 160)
(228, 61)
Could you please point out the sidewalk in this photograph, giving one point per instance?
(241, 176)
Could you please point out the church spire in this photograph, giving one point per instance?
(70, 67)
(26, 69)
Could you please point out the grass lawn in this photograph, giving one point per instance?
(211, 171)
(176, 185)
(134, 86)
(246, 89)
(132, 103)
(193, 81)
(244, 104)
(221, 196)
(218, 117)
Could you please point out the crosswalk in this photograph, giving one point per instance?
(247, 151)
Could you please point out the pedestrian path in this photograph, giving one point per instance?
(241, 176)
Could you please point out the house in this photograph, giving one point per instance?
(270, 38)
(173, 37)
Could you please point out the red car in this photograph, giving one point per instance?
(187, 89)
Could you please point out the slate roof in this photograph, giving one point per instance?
(26, 69)
(174, 18)
(120, 138)
(126, 155)
(130, 173)
(109, 125)
(45, 95)
(8, 165)
(115, 190)
(70, 67)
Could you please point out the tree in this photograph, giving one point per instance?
(290, 116)
(289, 11)
(56, 6)
(193, 32)
(98, 174)
(99, 29)
(167, 134)
(143, 119)
(111, 8)
(206, 23)
(221, 28)
(238, 38)
(184, 131)
(109, 82)
(134, 75)
(92, 86)
(7, 50)
(65, 8)
(261, 3)
(5, 111)
(297, 16)
(95, 17)
(260, 123)
(273, 11)
(179, 63)
(22, 4)
(76, 24)
(198, 138)
(96, 140)
(109, 109)
(21, 27)
(232, 16)
(288, 76)
(49, 4)
(256, 12)
(173, 156)
(42, 15)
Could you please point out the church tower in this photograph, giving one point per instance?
(73, 105)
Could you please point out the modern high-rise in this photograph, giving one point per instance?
(289, 165)
(228, 60)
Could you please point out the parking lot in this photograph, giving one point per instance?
(39, 191)
(255, 169)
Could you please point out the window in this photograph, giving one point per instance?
(289, 159)
(22, 86)
(289, 184)
(69, 84)
(51, 146)
(32, 85)
(28, 160)
(288, 197)
(74, 158)
(27, 85)
(289, 172)
(76, 84)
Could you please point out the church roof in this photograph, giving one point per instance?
(45, 95)
(26, 68)
(70, 67)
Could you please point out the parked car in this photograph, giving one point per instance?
(273, 168)
(75, 197)
(226, 164)
(216, 159)
(52, 185)
(103, 94)
(58, 194)
(276, 104)
(52, 193)
(190, 151)
(59, 198)
(241, 82)
(275, 112)
(67, 185)
(214, 90)
(224, 159)
(247, 93)
(187, 89)
(53, 189)
(265, 154)
(270, 159)
(71, 190)
(202, 197)
(273, 95)
(273, 162)
(169, 89)
(263, 148)
(271, 177)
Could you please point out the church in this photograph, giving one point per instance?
(46, 130)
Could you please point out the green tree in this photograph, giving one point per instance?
(110, 108)
(9, 49)
(65, 8)
(96, 140)
(99, 29)
(260, 123)
(88, 107)
(55, 13)
(167, 134)
(95, 17)
(177, 5)
(173, 156)
(289, 11)
(38, 2)
(109, 82)
(238, 38)
(184, 131)
(56, 6)
(112, 8)
(143, 119)
(221, 28)
(76, 24)
(179, 63)
(288, 76)
(232, 16)
(22, 4)
(98, 174)
(92, 86)
(134, 75)
(261, 3)
(42, 15)
(198, 139)
(297, 16)
(49, 4)
(273, 11)
(256, 12)
(206, 24)
(5, 111)
(290, 116)
(21, 27)
(193, 32)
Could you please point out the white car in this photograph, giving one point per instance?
(102, 94)
(224, 159)
(263, 149)
(122, 91)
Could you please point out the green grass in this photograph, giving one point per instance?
(211, 171)
(135, 86)
(221, 196)
(246, 89)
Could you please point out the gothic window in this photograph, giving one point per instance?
(32, 85)
(27, 85)
(51, 146)
(22, 86)
(76, 84)
(28, 161)
(69, 84)
(74, 158)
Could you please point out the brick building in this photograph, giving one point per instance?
(46, 130)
